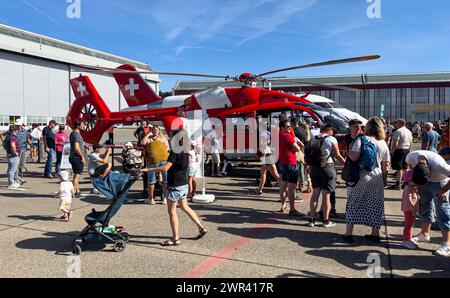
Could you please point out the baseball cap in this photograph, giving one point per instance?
(354, 121)
(445, 150)
(62, 126)
(97, 146)
(19, 122)
(420, 174)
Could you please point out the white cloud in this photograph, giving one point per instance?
(238, 21)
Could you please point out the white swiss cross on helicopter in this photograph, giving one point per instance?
(131, 87)
(82, 89)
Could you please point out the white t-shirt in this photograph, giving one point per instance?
(382, 149)
(65, 190)
(439, 169)
(264, 141)
(193, 157)
(215, 146)
(404, 137)
(328, 146)
(93, 162)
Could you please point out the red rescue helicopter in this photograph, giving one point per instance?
(247, 101)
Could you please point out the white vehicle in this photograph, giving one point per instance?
(335, 107)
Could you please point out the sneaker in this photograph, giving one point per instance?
(312, 222)
(329, 224)
(257, 192)
(78, 195)
(14, 186)
(22, 181)
(421, 238)
(443, 250)
(410, 244)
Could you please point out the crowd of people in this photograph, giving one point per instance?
(304, 161)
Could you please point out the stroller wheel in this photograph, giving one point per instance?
(125, 236)
(119, 246)
(76, 249)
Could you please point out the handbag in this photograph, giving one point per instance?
(350, 172)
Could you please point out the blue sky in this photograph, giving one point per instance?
(234, 36)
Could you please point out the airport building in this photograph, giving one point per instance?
(414, 97)
(35, 72)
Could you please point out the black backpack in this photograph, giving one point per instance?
(6, 143)
(315, 155)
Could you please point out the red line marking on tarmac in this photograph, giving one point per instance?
(222, 255)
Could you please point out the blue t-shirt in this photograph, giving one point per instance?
(431, 138)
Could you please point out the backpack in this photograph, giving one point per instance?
(315, 155)
(368, 159)
(6, 145)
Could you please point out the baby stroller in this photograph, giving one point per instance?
(114, 186)
(132, 158)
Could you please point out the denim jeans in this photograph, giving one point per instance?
(429, 201)
(13, 164)
(49, 163)
(23, 160)
(58, 162)
(151, 177)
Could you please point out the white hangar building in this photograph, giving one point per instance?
(35, 72)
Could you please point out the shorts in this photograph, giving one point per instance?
(268, 160)
(151, 176)
(289, 173)
(99, 171)
(77, 166)
(65, 204)
(398, 159)
(323, 178)
(215, 158)
(176, 193)
(429, 201)
(192, 170)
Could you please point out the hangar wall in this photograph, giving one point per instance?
(38, 90)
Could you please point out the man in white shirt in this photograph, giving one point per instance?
(98, 164)
(431, 172)
(400, 145)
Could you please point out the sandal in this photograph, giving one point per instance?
(171, 242)
(202, 233)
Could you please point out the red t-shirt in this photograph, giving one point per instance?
(287, 157)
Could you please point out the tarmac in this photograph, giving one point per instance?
(247, 237)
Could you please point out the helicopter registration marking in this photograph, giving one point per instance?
(215, 98)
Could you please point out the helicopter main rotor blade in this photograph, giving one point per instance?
(338, 87)
(96, 69)
(331, 62)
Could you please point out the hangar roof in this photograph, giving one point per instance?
(25, 42)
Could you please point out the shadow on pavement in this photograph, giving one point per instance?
(35, 217)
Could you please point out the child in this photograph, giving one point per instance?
(192, 170)
(409, 207)
(65, 193)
